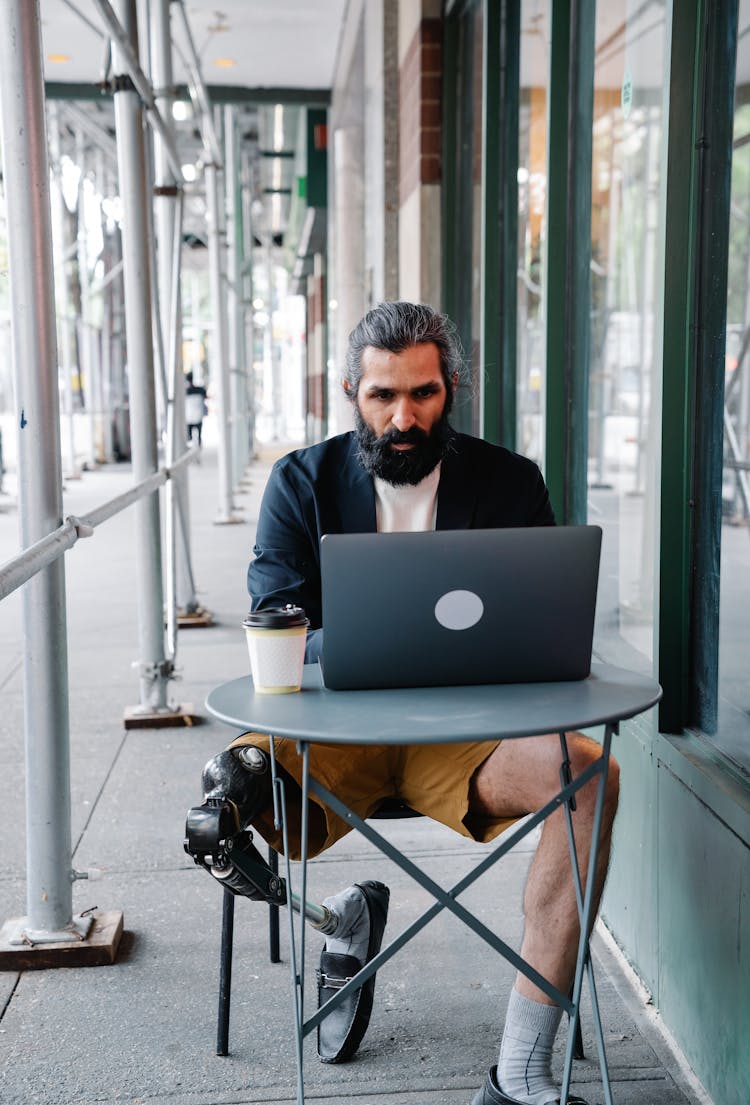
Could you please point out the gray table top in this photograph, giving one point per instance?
(434, 715)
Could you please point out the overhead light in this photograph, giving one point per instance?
(189, 172)
(59, 59)
(224, 63)
(258, 304)
(182, 110)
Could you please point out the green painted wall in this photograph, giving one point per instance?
(704, 939)
(628, 905)
(678, 899)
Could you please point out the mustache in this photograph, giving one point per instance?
(412, 436)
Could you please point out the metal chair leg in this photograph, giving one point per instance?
(225, 956)
(273, 914)
(225, 973)
(578, 1052)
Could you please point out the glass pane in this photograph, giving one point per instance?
(733, 734)
(532, 199)
(627, 234)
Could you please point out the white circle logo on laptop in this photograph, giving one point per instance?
(459, 609)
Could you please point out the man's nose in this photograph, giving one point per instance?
(403, 417)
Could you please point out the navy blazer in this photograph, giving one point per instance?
(325, 489)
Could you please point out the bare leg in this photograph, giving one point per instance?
(518, 778)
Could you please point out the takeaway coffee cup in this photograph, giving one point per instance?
(276, 642)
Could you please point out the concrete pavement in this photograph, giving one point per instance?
(142, 1031)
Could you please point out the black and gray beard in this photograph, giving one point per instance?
(399, 467)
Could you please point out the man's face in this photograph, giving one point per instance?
(400, 409)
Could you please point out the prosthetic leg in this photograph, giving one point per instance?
(236, 786)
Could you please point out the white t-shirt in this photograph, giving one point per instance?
(407, 509)
(194, 407)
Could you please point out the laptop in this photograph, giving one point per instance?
(457, 607)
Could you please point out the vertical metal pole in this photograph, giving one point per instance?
(58, 214)
(85, 358)
(119, 384)
(249, 320)
(220, 369)
(102, 175)
(274, 390)
(234, 289)
(155, 670)
(168, 226)
(48, 848)
(230, 254)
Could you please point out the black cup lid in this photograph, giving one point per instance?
(276, 617)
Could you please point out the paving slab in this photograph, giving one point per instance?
(142, 1031)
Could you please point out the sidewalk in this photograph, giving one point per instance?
(143, 1030)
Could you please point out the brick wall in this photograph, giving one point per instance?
(316, 375)
(420, 87)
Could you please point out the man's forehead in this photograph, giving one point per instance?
(420, 362)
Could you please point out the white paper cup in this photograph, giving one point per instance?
(276, 641)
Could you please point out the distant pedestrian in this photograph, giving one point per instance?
(195, 408)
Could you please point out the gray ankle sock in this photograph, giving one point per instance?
(352, 934)
(524, 1068)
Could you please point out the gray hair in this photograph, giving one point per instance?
(394, 326)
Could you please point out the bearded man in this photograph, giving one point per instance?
(404, 468)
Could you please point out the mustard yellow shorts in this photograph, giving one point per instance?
(433, 779)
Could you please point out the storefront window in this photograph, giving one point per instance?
(627, 232)
(532, 198)
(733, 734)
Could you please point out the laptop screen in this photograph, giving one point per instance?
(455, 607)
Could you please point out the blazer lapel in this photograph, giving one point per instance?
(357, 497)
(457, 493)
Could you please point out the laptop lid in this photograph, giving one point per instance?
(457, 607)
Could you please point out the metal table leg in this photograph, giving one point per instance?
(585, 904)
(446, 899)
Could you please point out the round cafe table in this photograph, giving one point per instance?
(437, 715)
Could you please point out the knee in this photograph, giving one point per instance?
(583, 753)
(240, 776)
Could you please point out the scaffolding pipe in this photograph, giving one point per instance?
(127, 64)
(154, 669)
(168, 210)
(157, 329)
(199, 93)
(235, 299)
(248, 320)
(86, 370)
(106, 317)
(220, 374)
(17, 571)
(63, 285)
(46, 717)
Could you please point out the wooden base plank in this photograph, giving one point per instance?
(199, 619)
(185, 715)
(97, 950)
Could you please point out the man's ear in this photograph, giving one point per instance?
(347, 388)
(454, 380)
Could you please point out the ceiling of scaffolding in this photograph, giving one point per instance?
(250, 43)
(267, 58)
